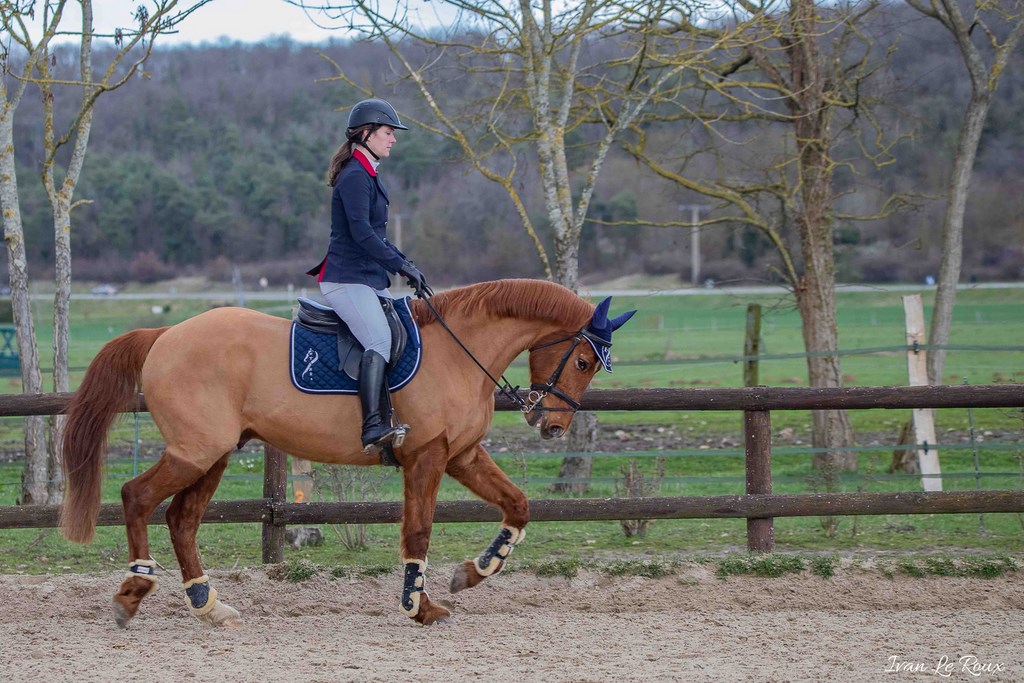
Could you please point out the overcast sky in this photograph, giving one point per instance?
(242, 20)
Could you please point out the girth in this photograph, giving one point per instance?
(323, 320)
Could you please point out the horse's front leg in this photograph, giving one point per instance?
(475, 470)
(422, 477)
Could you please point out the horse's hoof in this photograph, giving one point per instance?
(429, 613)
(437, 616)
(121, 615)
(128, 598)
(460, 580)
(222, 615)
(465, 576)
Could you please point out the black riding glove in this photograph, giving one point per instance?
(417, 280)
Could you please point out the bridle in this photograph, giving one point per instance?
(537, 391)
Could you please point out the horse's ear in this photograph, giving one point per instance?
(600, 319)
(599, 333)
(618, 322)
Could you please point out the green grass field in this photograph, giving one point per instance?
(231, 545)
(688, 341)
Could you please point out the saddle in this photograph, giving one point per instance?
(316, 324)
(321, 319)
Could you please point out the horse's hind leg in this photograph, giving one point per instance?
(475, 470)
(140, 497)
(183, 519)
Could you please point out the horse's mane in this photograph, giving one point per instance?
(526, 299)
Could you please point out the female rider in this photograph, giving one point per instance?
(359, 257)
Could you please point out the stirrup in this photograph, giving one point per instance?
(375, 446)
(395, 436)
(400, 431)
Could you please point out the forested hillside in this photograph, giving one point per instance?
(217, 158)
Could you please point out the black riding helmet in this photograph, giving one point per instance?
(374, 111)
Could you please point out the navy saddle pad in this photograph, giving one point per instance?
(314, 359)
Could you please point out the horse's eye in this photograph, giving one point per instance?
(582, 364)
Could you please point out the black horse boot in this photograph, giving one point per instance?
(376, 432)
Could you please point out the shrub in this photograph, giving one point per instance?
(634, 484)
(147, 267)
(824, 566)
(566, 568)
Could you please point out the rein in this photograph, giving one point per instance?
(505, 388)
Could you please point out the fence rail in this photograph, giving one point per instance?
(759, 506)
(745, 398)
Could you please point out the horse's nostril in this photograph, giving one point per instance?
(556, 431)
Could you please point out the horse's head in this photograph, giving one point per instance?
(562, 366)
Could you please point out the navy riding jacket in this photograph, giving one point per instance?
(359, 251)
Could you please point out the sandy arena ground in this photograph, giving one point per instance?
(517, 627)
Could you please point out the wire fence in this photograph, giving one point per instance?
(998, 463)
(763, 357)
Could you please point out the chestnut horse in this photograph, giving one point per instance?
(221, 378)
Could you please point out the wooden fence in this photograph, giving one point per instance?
(759, 506)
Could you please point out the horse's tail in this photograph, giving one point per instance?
(109, 387)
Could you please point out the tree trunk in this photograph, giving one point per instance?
(61, 340)
(567, 262)
(60, 197)
(35, 474)
(905, 459)
(815, 292)
(953, 231)
(582, 438)
(831, 428)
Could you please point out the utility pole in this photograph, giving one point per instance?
(398, 231)
(695, 210)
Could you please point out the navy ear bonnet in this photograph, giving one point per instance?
(599, 332)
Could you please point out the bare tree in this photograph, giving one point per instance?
(789, 75)
(552, 87)
(134, 45)
(985, 37)
(12, 88)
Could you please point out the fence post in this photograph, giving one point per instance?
(757, 432)
(275, 485)
(752, 346)
(924, 418)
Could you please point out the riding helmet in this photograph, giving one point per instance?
(374, 111)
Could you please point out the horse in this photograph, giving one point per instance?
(221, 378)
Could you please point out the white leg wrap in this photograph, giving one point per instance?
(415, 582)
(144, 569)
(493, 559)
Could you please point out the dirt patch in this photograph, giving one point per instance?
(688, 626)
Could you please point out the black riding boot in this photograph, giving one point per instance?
(376, 432)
